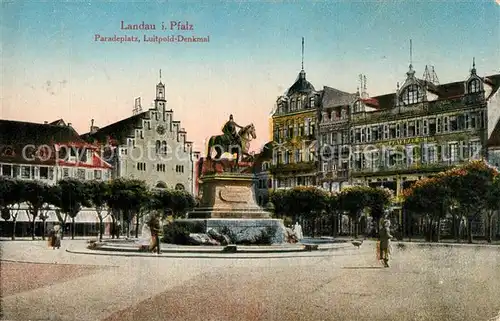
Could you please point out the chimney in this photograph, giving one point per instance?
(93, 129)
(69, 124)
(45, 122)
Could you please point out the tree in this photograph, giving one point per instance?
(354, 200)
(308, 202)
(10, 197)
(379, 200)
(98, 193)
(280, 200)
(36, 195)
(432, 197)
(470, 185)
(73, 197)
(127, 197)
(492, 206)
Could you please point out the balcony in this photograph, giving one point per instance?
(294, 167)
(404, 168)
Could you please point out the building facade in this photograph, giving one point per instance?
(47, 153)
(150, 146)
(294, 135)
(421, 129)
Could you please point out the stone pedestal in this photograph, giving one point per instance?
(228, 206)
(228, 195)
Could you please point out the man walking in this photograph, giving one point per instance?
(385, 242)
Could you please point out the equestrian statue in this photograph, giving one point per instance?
(232, 141)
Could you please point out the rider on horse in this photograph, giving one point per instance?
(230, 132)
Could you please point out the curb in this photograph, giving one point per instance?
(212, 255)
(429, 244)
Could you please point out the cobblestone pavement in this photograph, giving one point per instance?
(423, 283)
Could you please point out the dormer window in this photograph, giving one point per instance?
(358, 107)
(311, 102)
(474, 86)
(411, 95)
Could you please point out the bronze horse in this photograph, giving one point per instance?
(222, 144)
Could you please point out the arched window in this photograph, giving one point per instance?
(164, 148)
(474, 86)
(179, 187)
(411, 95)
(161, 185)
(158, 146)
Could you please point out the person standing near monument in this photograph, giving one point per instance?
(155, 227)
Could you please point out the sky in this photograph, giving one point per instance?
(53, 68)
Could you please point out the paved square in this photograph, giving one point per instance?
(423, 283)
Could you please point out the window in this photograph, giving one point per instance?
(467, 121)
(6, 170)
(474, 86)
(357, 135)
(375, 133)
(418, 127)
(179, 168)
(80, 174)
(44, 172)
(398, 130)
(311, 102)
(405, 129)
(386, 132)
(299, 103)
(475, 149)
(158, 147)
(25, 172)
(65, 172)
(453, 123)
(411, 95)
(432, 126)
(97, 174)
(141, 134)
(411, 128)
(453, 152)
(164, 148)
(445, 124)
(392, 131)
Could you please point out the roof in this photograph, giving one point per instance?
(301, 85)
(494, 139)
(118, 131)
(444, 91)
(333, 97)
(17, 132)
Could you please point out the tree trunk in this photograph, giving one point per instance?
(333, 225)
(44, 221)
(438, 232)
(469, 230)
(489, 228)
(33, 224)
(101, 227)
(72, 228)
(137, 227)
(14, 223)
(429, 229)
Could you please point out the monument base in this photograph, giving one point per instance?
(246, 231)
(228, 195)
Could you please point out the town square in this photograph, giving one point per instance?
(299, 161)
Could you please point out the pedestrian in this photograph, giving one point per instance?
(155, 228)
(385, 243)
(51, 237)
(57, 236)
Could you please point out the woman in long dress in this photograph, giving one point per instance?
(385, 243)
(56, 239)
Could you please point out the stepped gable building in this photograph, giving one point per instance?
(423, 128)
(48, 152)
(150, 146)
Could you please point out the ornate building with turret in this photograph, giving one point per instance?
(150, 145)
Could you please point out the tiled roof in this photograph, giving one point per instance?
(118, 131)
(18, 132)
(444, 91)
(333, 97)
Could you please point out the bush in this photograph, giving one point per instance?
(178, 232)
